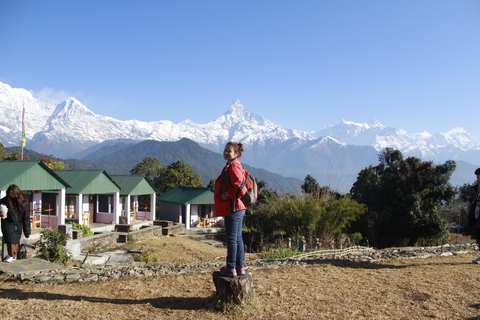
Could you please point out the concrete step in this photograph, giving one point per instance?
(113, 257)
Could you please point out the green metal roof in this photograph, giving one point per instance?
(133, 185)
(188, 195)
(89, 181)
(30, 175)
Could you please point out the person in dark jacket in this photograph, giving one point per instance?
(16, 219)
(475, 213)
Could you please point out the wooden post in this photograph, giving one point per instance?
(3, 248)
(236, 290)
(303, 244)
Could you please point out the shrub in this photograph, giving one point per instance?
(357, 238)
(86, 231)
(279, 253)
(303, 216)
(51, 246)
(145, 256)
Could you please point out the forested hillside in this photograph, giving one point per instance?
(122, 157)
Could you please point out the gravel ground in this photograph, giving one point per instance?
(442, 287)
(401, 283)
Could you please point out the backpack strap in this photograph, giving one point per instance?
(244, 182)
(243, 185)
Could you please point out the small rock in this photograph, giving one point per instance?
(72, 277)
(90, 278)
(55, 279)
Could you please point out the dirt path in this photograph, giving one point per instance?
(438, 287)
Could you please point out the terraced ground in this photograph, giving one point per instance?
(436, 287)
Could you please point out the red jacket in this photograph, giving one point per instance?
(229, 181)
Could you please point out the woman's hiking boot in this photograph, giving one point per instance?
(227, 272)
(241, 270)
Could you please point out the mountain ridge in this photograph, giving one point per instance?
(71, 129)
(119, 160)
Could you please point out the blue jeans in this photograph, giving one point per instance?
(235, 246)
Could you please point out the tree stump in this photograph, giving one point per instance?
(236, 290)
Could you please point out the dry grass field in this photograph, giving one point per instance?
(437, 287)
(179, 250)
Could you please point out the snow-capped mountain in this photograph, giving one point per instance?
(455, 144)
(71, 127)
(12, 102)
(334, 155)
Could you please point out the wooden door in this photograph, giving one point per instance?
(92, 207)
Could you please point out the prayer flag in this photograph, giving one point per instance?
(24, 141)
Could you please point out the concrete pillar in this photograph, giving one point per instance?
(153, 207)
(37, 199)
(135, 203)
(128, 205)
(79, 208)
(188, 216)
(116, 207)
(61, 206)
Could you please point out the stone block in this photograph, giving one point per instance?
(65, 229)
(123, 228)
(123, 238)
(163, 223)
(77, 234)
(174, 230)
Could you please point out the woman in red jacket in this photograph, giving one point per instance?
(229, 187)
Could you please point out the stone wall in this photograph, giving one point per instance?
(104, 241)
(98, 243)
(175, 230)
(107, 240)
(141, 234)
(86, 273)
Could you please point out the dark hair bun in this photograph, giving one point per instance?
(238, 147)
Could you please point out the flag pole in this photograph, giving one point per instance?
(23, 130)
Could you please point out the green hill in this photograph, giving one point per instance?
(120, 159)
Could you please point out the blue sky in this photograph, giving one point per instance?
(305, 64)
